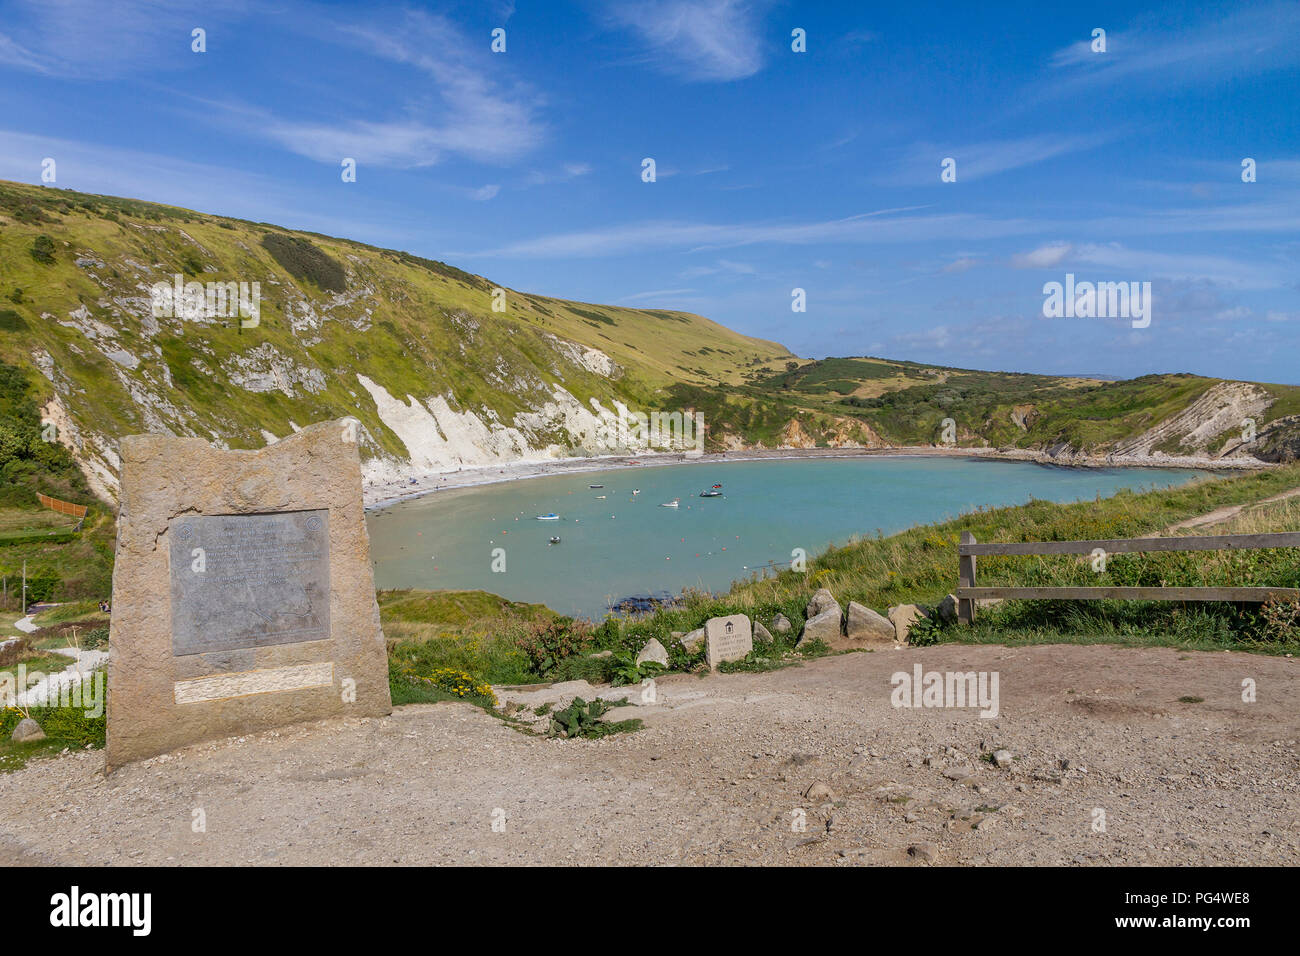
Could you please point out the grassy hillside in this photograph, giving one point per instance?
(75, 314)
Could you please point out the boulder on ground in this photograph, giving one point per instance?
(903, 616)
(781, 624)
(821, 602)
(26, 730)
(761, 634)
(653, 651)
(947, 609)
(692, 640)
(823, 627)
(862, 625)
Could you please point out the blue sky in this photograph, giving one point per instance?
(776, 170)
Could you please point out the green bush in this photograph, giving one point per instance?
(43, 250)
(304, 261)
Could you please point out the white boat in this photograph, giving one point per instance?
(636, 491)
(675, 503)
(550, 517)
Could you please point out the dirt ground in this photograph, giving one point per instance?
(719, 776)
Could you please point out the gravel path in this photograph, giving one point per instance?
(721, 768)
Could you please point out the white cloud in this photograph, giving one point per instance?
(1249, 40)
(485, 192)
(483, 117)
(721, 266)
(87, 39)
(1044, 257)
(884, 225)
(656, 294)
(980, 160)
(708, 40)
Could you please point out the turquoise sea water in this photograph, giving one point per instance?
(626, 544)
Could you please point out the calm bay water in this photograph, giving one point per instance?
(626, 544)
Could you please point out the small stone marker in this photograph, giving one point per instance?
(729, 639)
(243, 595)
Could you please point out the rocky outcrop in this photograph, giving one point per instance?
(1204, 424)
(1024, 416)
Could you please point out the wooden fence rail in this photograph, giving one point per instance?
(969, 549)
(63, 507)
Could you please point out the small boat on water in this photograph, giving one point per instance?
(675, 503)
(550, 517)
(595, 486)
(636, 491)
(718, 487)
(711, 493)
(555, 539)
(598, 497)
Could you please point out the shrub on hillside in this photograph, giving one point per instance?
(43, 249)
(304, 261)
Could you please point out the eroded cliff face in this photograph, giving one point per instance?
(1217, 424)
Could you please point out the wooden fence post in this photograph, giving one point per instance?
(966, 579)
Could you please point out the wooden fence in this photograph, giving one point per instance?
(63, 507)
(969, 549)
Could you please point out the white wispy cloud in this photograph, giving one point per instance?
(884, 225)
(1145, 265)
(86, 39)
(720, 267)
(1044, 257)
(1251, 39)
(482, 118)
(656, 294)
(921, 164)
(706, 40)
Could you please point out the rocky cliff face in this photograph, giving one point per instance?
(1215, 425)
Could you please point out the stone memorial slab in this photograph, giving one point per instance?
(243, 595)
(728, 639)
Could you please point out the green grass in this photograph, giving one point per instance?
(65, 728)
